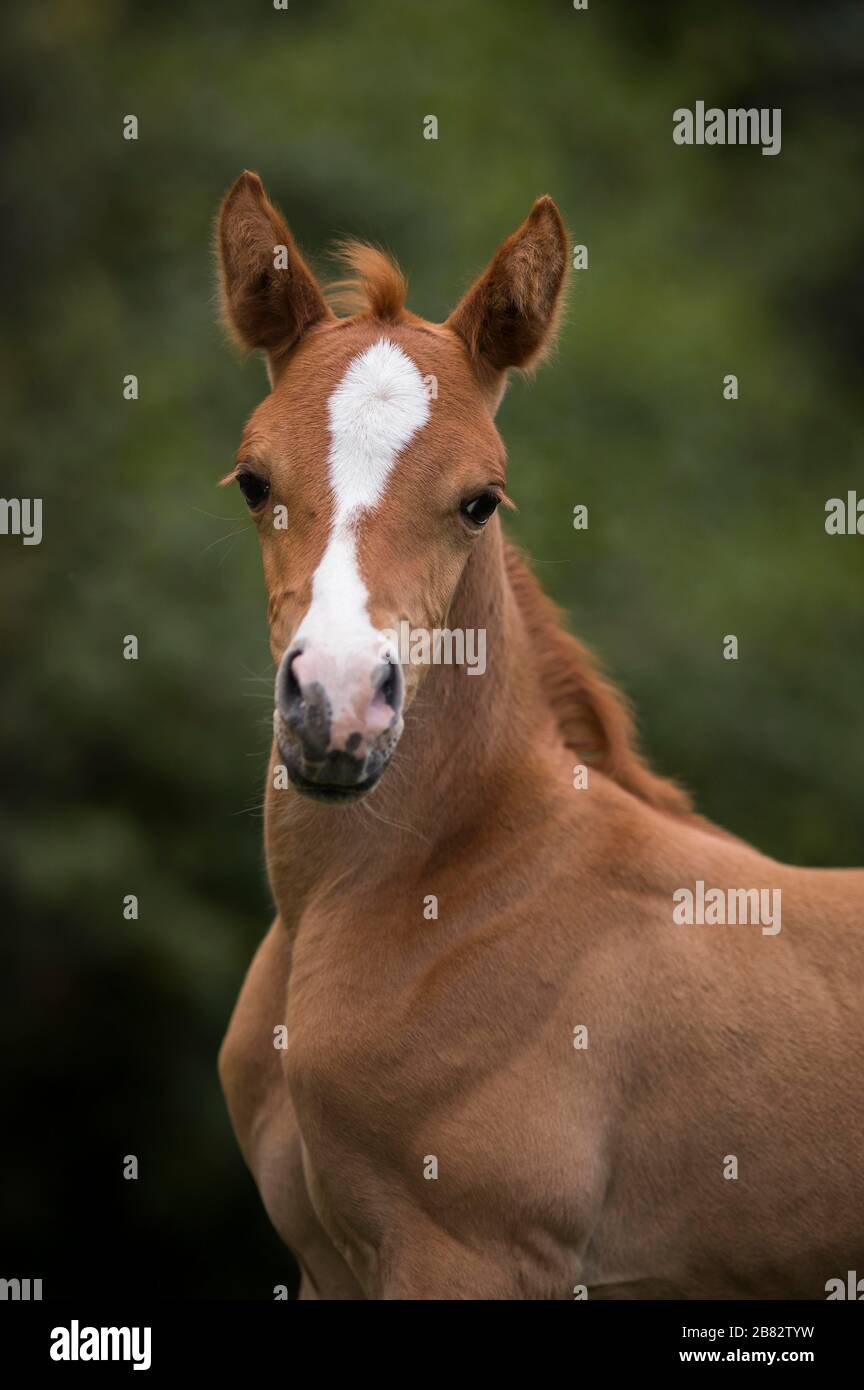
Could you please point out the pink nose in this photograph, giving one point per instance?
(338, 702)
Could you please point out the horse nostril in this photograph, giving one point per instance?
(390, 685)
(290, 693)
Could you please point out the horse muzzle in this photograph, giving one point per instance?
(338, 719)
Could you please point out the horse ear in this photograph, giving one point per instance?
(269, 295)
(507, 318)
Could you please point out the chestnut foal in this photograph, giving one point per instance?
(516, 1064)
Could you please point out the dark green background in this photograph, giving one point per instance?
(706, 517)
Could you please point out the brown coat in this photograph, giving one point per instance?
(440, 1124)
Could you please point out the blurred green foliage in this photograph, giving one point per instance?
(706, 516)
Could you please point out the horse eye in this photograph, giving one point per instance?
(479, 509)
(255, 490)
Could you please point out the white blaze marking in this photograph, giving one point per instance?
(377, 408)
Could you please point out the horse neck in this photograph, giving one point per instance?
(471, 731)
(471, 743)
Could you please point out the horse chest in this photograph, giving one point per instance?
(401, 1126)
(381, 1047)
(415, 1086)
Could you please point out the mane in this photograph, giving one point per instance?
(594, 718)
(374, 285)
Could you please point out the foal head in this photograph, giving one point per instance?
(371, 469)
